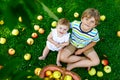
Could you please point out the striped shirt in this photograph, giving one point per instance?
(80, 39)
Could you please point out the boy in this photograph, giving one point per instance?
(83, 38)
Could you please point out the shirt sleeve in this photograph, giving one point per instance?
(96, 38)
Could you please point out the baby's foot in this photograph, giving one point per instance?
(41, 58)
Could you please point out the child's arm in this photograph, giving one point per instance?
(58, 58)
(64, 44)
(80, 51)
(50, 38)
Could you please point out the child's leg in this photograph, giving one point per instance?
(92, 59)
(67, 55)
(58, 58)
(45, 53)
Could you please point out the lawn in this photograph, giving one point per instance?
(15, 67)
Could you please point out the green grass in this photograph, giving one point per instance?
(15, 67)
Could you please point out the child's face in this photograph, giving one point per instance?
(88, 23)
(62, 29)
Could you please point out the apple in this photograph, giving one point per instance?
(1, 67)
(76, 14)
(15, 32)
(37, 71)
(2, 40)
(47, 78)
(1, 22)
(41, 30)
(27, 56)
(99, 73)
(102, 17)
(30, 41)
(104, 62)
(53, 24)
(56, 74)
(40, 17)
(92, 71)
(36, 27)
(68, 77)
(34, 35)
(107, 69)
(20, 19)
(59, 10)
(48, 73)
(118, 33)
(11, 51)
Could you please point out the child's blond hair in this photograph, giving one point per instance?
(63, 21)
(91, 12)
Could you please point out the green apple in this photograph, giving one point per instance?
(92, 71)
(68, 77)
(99, 73)
(1, 22)
(118, 33)
(76, 14)
(30, 41)
(15, 32)
(107, 69)
(56, 74)
(53, 24)
(102, 17)
(59, 10)
(2, 40)
(46, 78)
(27, 56)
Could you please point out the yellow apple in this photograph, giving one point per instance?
(2, 40)
(48, 73)
(37, 71)
(36, 27)
(76, 14)
(41, 30)
(20, 19)
(118, 33)
(15, 32)
(30, 41)
(1, 67)
(68, 77)
(11, 51)
(40, 17)
(102, 17)
(99, 73)
(34, 35)
(56, 74)
(53, 24)
(27, 56)
(1, 22)
(92, 71)
(59, 10)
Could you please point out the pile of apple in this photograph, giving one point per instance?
(106, 68)
(52, 72)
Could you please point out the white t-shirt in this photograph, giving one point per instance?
(64, 38)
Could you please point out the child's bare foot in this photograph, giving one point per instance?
(69, 67)
(41, 58)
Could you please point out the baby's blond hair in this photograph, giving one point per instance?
(63, 21)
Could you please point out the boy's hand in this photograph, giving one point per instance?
(58, 63)
(79, 51)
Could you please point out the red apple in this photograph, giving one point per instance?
(11, 51)
(34, 35)
(105, 62)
